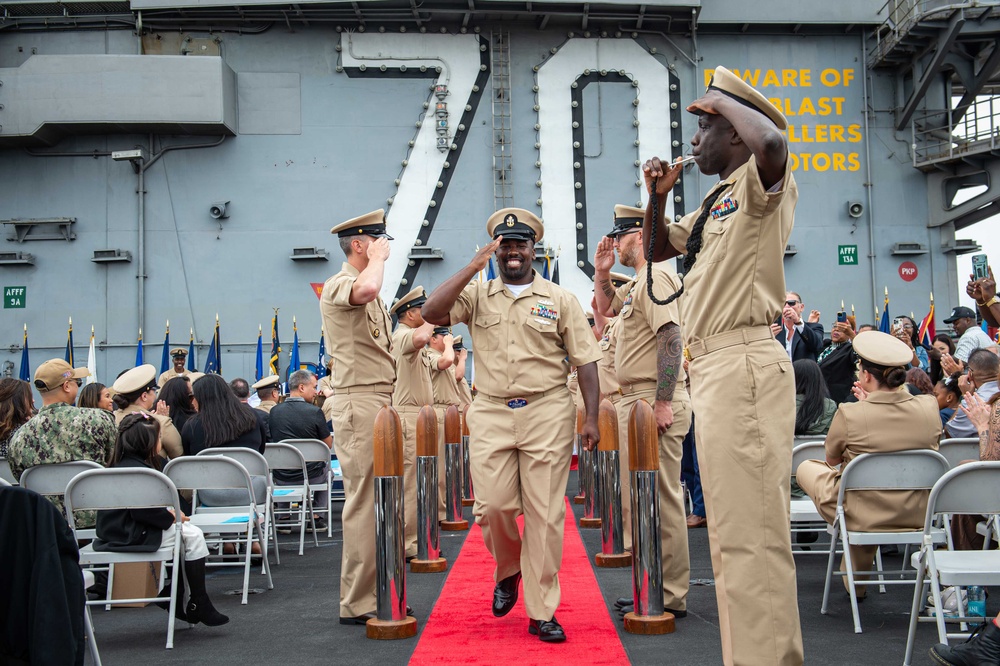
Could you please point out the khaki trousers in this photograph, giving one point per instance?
(744, 397)
(408, 418)
(354, 423)
(675, 560)
(520, 465)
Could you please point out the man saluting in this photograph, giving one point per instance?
(523, 330)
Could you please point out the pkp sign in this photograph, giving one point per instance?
(908, 271)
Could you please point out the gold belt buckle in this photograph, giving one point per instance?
(620, 391)
(687, 355)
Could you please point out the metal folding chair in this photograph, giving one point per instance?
(287, 457)
(973, 488)
(128, 488)
(805, 518)
(314, 450)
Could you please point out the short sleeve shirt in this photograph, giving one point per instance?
(606, 366)
(445, 386)
(524, 345)
(738, 280)
(641, 319)
(413, 378)
(358, 336)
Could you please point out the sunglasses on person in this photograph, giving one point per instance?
(792, 303)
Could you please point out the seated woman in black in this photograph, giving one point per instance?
(145, 530)
(222, 420)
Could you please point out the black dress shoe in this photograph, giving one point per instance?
(505, 595)
(548, 631)
(363, 619)
(983, 647)
(622, 610)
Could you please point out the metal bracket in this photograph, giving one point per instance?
(53, 228)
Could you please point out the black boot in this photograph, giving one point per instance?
(165, 594)
(200, 608)
(982, 649)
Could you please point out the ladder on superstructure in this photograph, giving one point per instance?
(503, 183)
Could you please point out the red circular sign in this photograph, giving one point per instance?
(908, 271)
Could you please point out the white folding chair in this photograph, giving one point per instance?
(221, 473)
(51, 480)
(804, 516)
(917, 469)
(314, 450)
(958, 449)
(256, 465)
(287, 457)
(88, 621)
(4, 483)
(6, 474)
(973, 488)
(128, 488)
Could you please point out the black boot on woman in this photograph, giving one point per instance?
(200, 608)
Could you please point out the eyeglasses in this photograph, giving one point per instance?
(792, 303)
(79, 382)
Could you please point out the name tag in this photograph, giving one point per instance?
(517, 402)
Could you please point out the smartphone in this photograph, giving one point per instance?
(842, 317)
(980, 267)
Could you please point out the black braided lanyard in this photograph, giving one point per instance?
(693, 246)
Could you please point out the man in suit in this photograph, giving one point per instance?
(836, 362)
(801, 339)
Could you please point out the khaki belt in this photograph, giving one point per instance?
(521, 400)
(614, 398)
(629, 389)
(742, 336)
(371, 388)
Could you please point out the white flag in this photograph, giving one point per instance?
(92, 359)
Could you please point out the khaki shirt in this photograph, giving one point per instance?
(266, 406)
(641, 318)
(738, 279)
(464, 391)
(358, 336)
(443, 381)
(573, 386)
(521, 345)
(413, 378)
(606, 366)
(327, 384)
(170, 374)
(172, 445)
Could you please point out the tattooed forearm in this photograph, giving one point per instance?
(608, 289)
(989, 439)
(668, 360)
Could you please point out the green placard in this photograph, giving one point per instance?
(13, 297)
(847, 255)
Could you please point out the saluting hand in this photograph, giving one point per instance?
(482, 258)
(709, 103)
(378, 249)
(663, 172)
(604, 256)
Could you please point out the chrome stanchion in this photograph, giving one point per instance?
(428, 559)
(453, 521)
(608, 462)
(581, 459)
(591, 484)
(468, 495)
(390, 547)
(647, 574)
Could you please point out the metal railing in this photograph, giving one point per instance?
(903, 15)
(936, 138)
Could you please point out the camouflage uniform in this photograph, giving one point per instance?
(63, 433)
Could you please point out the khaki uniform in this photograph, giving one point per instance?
(636, 372)
(885, 421)
(606, 366)
(573, 386)
(464, 391)
(743, 391)
(521, 425)
(413, 391)
(327, 384)
(266, 406)
(445, 394)
(172, 445)
(170, 374)
(364, 373)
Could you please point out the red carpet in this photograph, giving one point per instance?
(462, 629)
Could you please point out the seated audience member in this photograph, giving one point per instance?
(985, 417)
(942, 346)
(135, 391)
(268, 390)
(866, 327)
(884, 419)
(298, 418)
(918, 383)
(949, 396)
(836, 361)
(983, 647)
(241, 389)
(906, 330)
(178, 395)
(813, 408)
(145, 530)
(222, 420)
(16, 408)
(982, 377)
(96, 396)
